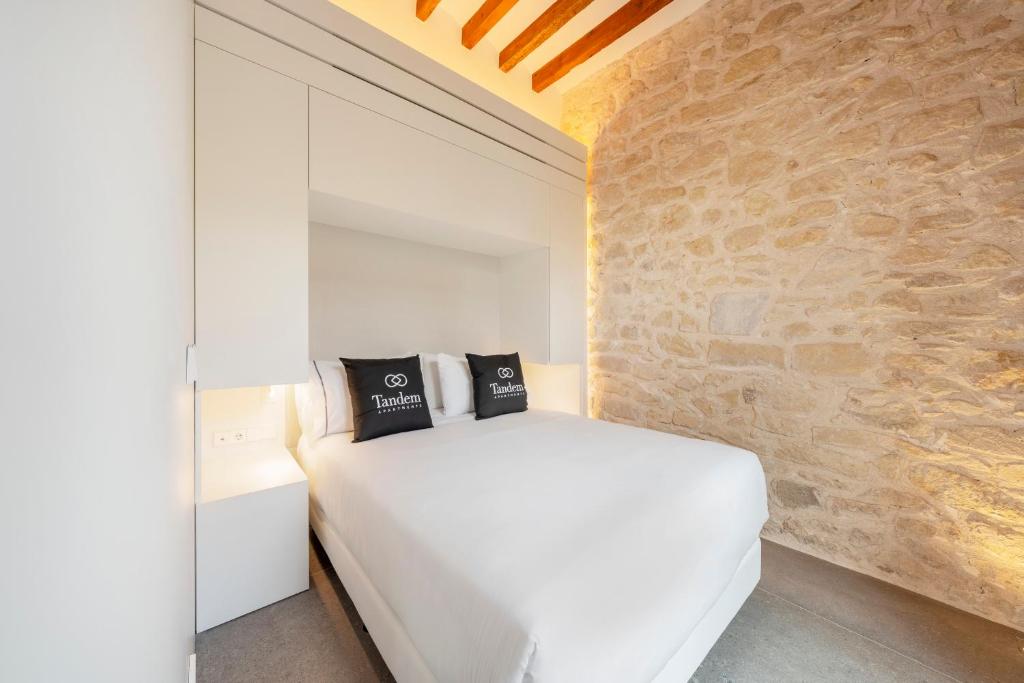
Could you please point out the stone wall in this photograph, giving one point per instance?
(807, 238)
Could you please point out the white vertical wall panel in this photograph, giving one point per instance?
(568, 262)
(251, 223)
(361, 155)
(524, 305)
(96, 505)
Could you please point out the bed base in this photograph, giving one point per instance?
(407, 666)
(401, 656)
(711, 626)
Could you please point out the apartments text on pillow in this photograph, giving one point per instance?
(387, 396)
(498, 386)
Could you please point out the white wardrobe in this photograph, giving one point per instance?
(295, 124)
(251, 223)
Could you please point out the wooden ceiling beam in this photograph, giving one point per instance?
(543, 27)
(484, 19)
(424, 8)
(618, 24)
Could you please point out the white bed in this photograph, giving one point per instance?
(539, 546)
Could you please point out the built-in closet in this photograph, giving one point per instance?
(306, 117)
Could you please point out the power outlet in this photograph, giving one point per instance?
(230, 438)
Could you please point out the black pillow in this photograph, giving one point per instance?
(387, 396)
(498, 386)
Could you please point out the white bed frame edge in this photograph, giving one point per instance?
(401, 656)
(714, 622)
(407, 666)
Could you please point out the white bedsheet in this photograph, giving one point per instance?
(541, 546)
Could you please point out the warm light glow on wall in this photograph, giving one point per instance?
(259, 412)
(589, 408)
(864, 353)
(553, 387)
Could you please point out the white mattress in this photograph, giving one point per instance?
(541, 546)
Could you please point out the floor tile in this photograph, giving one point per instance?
(774, 640)
(963, 645)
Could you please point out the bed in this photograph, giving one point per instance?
(539, 546)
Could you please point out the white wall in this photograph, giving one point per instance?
(96, 496)
(525, 325)
(371, 295)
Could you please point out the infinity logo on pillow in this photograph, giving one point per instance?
(396, 380)
(505, 373)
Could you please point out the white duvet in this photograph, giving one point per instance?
(541, 546)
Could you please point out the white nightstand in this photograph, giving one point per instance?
(252, 535)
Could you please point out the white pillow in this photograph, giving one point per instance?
(329, 405)
(303, 410)
(431, 381)
(456, 384)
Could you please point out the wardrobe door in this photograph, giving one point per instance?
(436, 191)
(252, 227)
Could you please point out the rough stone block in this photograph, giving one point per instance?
(946, 220)
(737, 313)
(792, 494)
(801, 238)
(875, 225)
(831, 358)
(741, 354)
(1000, 142)
(826, 181)
(758, 203)
(743, 238)
(810, 211)
(890, 92)
(677, 345)
(937, 121)
(735, 42)
(753, 63)
(702, 246)
(747, 169)
(778, 17)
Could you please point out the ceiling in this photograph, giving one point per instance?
(524, 12)
(441, 35)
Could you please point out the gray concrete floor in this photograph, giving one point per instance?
(808, 620)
